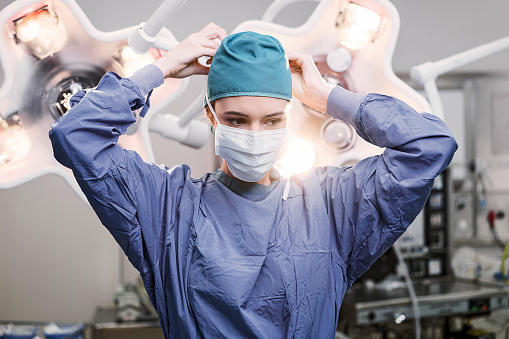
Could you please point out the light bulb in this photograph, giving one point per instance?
(13, 141)
(298, 159)
(66, 97)
(359, 27)
(132, 61)
(42, 32)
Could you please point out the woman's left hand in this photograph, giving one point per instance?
(307, 83)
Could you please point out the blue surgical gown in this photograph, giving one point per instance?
(219, 264)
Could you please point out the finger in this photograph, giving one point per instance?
(200, 69)
(208, 26)
(210, 43)
(300, 59)
(295, 68)
(208, 51)
(191, 69)
(305, 63)
(211, 30)
(293, 56)
(223, 34)
(197, 68)
(215, 33)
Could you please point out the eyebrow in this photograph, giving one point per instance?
(247, 116)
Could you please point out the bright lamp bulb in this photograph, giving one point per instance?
(13, 142)
(359, 27)
(298, 159)
(132, 61)
(42, 32)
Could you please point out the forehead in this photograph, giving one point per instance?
(251, 105)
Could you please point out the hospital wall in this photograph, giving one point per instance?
(56, 260)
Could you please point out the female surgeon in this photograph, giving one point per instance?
(243, 252)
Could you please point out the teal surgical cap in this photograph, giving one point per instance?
(251, 64)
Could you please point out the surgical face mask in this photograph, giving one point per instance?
(249, 155)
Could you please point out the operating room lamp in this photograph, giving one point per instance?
(49, 50)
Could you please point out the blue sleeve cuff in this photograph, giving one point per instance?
(147, 78)
(343, 104)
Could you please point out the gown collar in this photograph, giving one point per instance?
(241, 187)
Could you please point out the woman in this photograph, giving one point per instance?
(242, 252)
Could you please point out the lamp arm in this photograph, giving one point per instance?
(146, 34)
(276, 7)
(194, 134)
(426, 73)
(430, 87)
(194, 110)
(477, 53)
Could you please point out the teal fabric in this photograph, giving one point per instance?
(252, 64)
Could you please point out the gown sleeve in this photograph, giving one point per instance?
(374, 202)
(131, 197)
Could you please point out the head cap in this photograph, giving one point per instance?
(252, 64)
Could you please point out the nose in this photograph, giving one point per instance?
(256, 126)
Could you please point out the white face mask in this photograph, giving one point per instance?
(249, 155)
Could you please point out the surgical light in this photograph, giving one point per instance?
(13, 139)
(41, 31)
(358, 27)
(132, 61)
(298, 159)
(42, 71)
(337, 135)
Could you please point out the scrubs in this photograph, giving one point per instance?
(224, 259)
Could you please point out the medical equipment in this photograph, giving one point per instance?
(132, 303)
(19, 331)
(480, 200)
(54, 331)
(487, 152)
(49, 50)
(439, 298)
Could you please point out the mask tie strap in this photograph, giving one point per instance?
(287, 189)
(211, 109)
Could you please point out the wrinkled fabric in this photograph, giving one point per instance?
(249, 63)
(219, 265)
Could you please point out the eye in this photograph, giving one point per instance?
(273, 122)
(236, 121)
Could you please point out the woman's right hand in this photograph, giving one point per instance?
(307, 83)
(182, 60)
